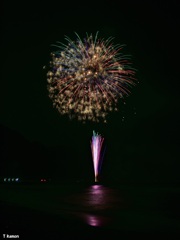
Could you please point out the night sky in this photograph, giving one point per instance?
(36, 141)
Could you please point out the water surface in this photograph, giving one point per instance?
(120, 208)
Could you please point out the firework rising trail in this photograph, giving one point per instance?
(87, 77)
(96, 149)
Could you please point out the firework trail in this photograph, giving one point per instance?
(96, 149)
(87, 77)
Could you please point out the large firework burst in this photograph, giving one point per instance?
(87, 77)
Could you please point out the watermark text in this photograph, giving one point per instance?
(10, 236)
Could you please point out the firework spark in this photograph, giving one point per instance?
(87, 77)
(97, 156)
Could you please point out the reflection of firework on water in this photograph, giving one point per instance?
(87, 77)
(97, 155)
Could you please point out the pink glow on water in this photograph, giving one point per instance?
(95, 187)
(99, 199)
(94, 221)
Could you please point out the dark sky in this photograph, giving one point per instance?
(36, 140)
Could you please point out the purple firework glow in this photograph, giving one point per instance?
(96, 149)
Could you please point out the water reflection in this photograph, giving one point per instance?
(99, 201)
(93, 220)
(98, 196)
(96, 220)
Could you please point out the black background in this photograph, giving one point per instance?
(37, 142)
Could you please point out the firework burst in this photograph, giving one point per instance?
(87, 77)
(97, 155)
